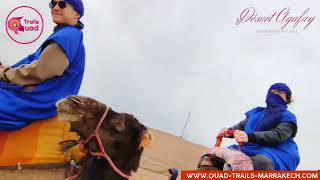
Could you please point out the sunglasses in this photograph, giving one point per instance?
(275, 91)
(61, 4)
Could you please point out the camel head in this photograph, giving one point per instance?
(122, 135)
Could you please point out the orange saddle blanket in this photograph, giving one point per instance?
(36, 144)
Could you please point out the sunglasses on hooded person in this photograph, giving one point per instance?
(61, 4)
(276, 91)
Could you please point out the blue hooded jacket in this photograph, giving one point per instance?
(284, 156)
(19, 107)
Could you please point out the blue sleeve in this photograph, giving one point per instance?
(69, 39)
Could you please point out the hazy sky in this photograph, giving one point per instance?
(160, 60)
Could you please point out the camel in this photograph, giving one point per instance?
(122, 137)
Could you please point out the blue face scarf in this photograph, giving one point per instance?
(275, 106)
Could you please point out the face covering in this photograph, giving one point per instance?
(275, 106)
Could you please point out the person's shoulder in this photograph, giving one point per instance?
(257, 109)
(288, 116)
(69, 38)
(67, 35)
(254, 110)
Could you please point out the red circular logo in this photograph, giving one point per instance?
(24, 25)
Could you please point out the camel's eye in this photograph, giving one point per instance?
(117, 125)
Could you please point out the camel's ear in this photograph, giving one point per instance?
(146, 139)
(118, 124)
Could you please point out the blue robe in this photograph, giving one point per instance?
(284, 156)
(18, 107)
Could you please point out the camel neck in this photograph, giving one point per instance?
(98, 169)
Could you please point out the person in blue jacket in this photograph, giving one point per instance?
(30, 88)
(266, 134)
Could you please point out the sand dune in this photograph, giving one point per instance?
(168, 151)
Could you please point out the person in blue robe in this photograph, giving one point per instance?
(30, 88)
(267, 134)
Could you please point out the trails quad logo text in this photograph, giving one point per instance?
(24, 25)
